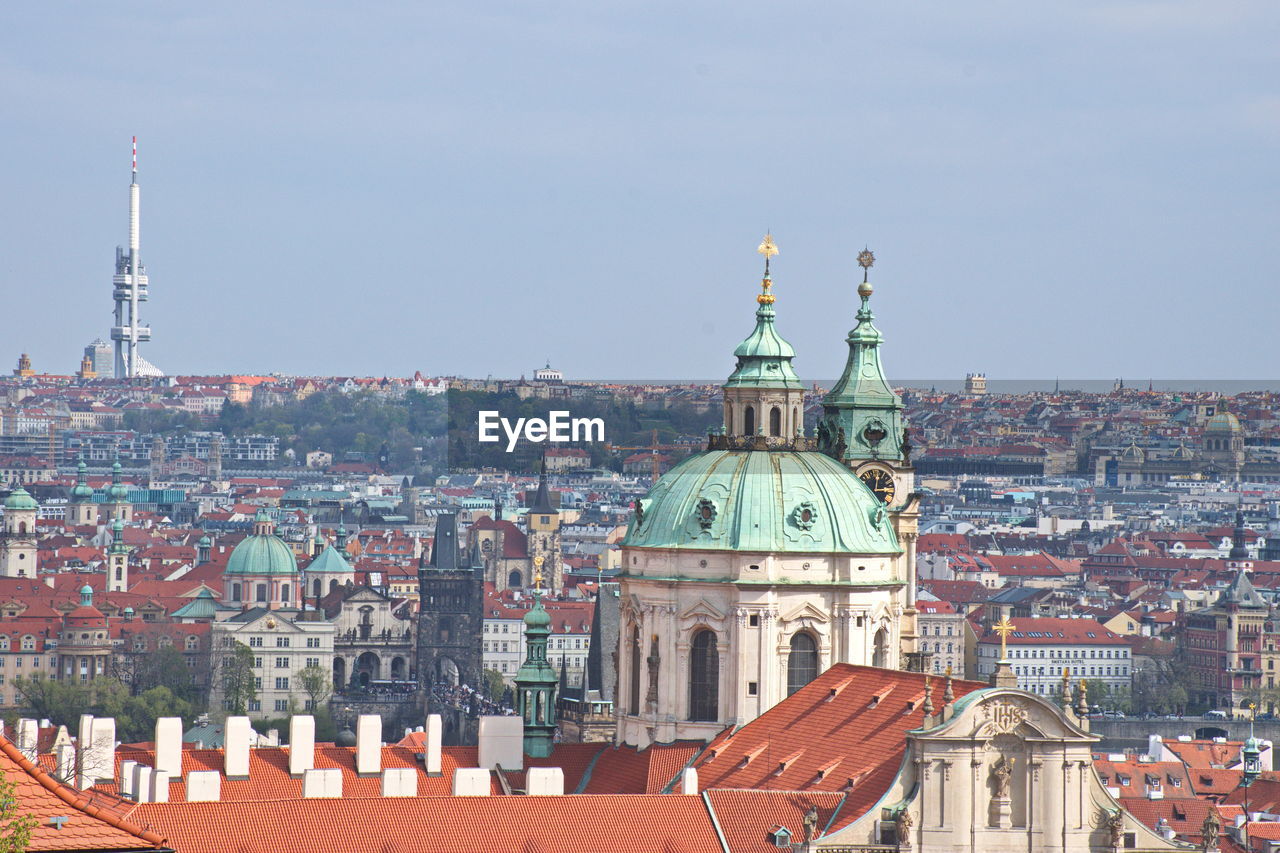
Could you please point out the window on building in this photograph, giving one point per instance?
(282, 704)
(802, 662)
(704, 677)
(255, 642)
(254, 705)
(282, 663)
(282, 683)
(282, 642)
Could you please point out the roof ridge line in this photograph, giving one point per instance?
(68, 795)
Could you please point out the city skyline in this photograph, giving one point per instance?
(449, 199)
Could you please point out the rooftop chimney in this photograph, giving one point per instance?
(431, 743)
(302, 744)
(369, 744)
(169, 746)
(142, 783)
(502, 743)
(65, 754)
(400, 782)
(689, 780)
(544, 781)
(322, 783)
(28, 736)
(159, 786)
(236, 748)
(204, 786)
(126, 778)
(471, 782)
(97, 750)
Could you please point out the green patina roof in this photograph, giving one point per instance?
(20, 498)
(862, 403)
(117, 492)
(329, 560)
(82, 492)
(764, 358)
(203, 606)
(262, 555)
(757, 501)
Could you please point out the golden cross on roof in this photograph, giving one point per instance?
(1004, 628)
(537, 572)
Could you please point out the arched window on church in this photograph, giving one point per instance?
(634, 698)
(704, 677)
(261, 594)
(513, 580)
(316, 588)
(880, 649)
(749, 420)
(802, 663)
(775, 421)
(235, 592)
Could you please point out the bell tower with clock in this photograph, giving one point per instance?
(864, 427)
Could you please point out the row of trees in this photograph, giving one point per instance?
(62, 703)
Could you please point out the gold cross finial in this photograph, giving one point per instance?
(1004, 628)
(537, 572)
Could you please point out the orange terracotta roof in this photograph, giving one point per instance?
(563, 824)
(745, 817)
(845, 744)
(88, 825)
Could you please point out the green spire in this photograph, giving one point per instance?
(862, 415)
(764, 358)
(117, 492)
(536, 681)
(81, 493)
(117, 537)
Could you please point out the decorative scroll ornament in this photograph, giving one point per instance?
(1003, 718)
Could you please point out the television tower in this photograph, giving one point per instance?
(130, 283)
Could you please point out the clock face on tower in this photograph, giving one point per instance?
(880, 483)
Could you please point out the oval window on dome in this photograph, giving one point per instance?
(705, 512)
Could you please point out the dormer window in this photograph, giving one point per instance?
(780, 837)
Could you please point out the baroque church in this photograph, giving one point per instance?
(750, 568)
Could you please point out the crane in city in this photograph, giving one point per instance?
(653, 447)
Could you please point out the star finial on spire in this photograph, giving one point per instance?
(866, 260)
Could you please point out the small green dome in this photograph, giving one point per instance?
(205, 542)
(81, 492)
(764, 358)
(766, 501)
(262, 555)
(537, 619)
(86, 590)
(117, 492)
(20, 499)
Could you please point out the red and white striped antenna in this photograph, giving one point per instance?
(135, 155)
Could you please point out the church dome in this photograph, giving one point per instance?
(1223, 422)
(81, 492)
(262, 554)
(766, 501)
(20, 499)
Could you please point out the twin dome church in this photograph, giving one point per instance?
(754, 566)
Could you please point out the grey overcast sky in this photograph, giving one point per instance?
(1083, 189)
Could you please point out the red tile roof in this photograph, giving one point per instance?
(549, 824)
(1041, 630)
(808, 743)
(746, 817)
(88, 826)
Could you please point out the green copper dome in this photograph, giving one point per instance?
(764, 358)
(81, 492)
(262, 554)
(20, 499)
(117, 492)
(766, 501)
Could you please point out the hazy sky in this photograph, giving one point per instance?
(1076, 188)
